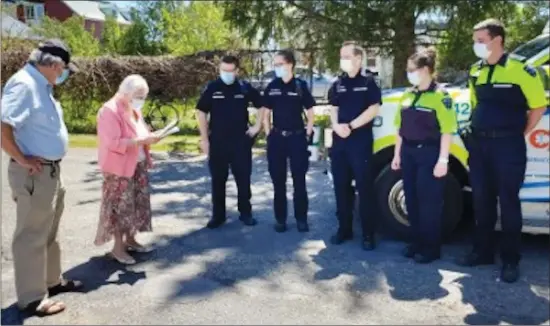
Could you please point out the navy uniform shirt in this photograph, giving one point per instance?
(353, 96)
(422, 116)
(228, 106)
(287, 101)
(501, 94)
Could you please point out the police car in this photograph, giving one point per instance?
(535, 194)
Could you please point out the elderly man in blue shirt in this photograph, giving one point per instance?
(35, 137)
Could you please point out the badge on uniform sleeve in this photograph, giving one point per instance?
(448, 102)
(530, 70)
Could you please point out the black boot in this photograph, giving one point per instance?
(248, 220)
(340, 237)
(215, 223)
(509, 272)
(410, 251)
(475, 259)
(280, 227)
(369, 242)
(302, 226)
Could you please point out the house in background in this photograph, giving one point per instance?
(13, 28)
(94, 13)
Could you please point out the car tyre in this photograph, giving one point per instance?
(392, 209)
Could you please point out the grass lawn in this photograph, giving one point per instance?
(176, 143)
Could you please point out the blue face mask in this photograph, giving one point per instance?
(63, 77)
(281, 72)
(227, 77)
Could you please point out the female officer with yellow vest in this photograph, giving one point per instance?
(426, 123)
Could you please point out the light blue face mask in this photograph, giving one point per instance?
(227, 77)
(63, 77)
(281, 72)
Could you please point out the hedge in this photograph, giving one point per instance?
(172, 80)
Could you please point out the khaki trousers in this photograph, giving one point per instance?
(36, 254)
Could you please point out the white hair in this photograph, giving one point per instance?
(133, 84)
(39, 58)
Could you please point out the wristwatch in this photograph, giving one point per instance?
(350, 126)
(443, 160)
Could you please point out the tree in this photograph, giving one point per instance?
(111, 38)
(388, 26)
(198, 26)
(72, 32)
(523, 22)
(392, 28)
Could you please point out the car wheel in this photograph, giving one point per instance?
(393, 211)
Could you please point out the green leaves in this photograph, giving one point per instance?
(72, 31)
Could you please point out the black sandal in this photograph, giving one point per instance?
(43, 308)
(65, 286)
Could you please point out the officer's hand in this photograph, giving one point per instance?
(440, 170)
(343, 130)
(253, 131)
(396, 163)
(205, 146)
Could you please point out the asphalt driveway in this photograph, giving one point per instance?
(252, 275)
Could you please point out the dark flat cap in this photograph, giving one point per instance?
(60, 49)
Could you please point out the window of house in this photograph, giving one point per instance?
(34, 12)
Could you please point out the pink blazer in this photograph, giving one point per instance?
(115, 130)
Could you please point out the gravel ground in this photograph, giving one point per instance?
(251, 275)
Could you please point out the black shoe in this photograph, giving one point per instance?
(215, 223)
(474, 259)
(424, 258)
(248, 220)
(302, 226)
(340, 238)
(509, 273)
(280, 227)
(369, 243)
(410, 251)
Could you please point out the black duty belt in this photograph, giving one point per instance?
(495, 133)
(421, 143)
(286, 133)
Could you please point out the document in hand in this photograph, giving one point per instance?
(170, 129)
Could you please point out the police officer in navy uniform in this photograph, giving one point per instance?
(508, 101)
(227, 138)
(426, 122)
(287, 97)
(355, 98)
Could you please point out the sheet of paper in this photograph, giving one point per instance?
(168, 129)
(163, 133)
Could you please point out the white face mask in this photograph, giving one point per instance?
(414, 78)
(346, 65)
(481, 50)
(137, 104)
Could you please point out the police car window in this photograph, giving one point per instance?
(533, 47)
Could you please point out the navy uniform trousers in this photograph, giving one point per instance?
(424, 194)
(280, 149)
(497, 169)
(235, 153)
(350, 160)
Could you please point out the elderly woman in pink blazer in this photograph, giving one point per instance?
(124, 159)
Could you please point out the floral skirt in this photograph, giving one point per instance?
(125, 205)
